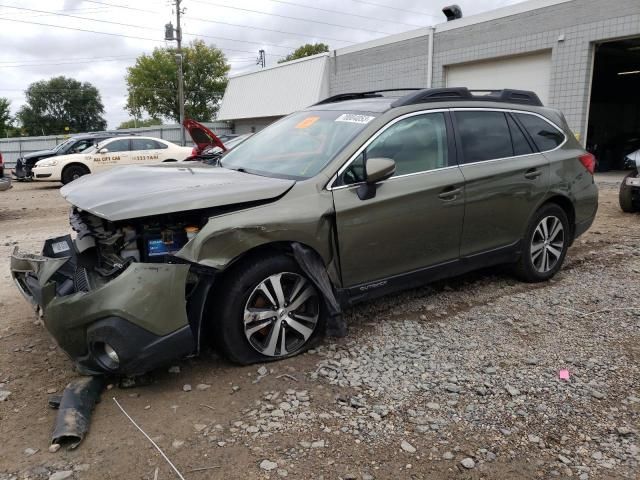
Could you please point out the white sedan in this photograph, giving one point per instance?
(116, 151)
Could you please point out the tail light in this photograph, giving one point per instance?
(1, 163)
(194, 151)
(589, 162)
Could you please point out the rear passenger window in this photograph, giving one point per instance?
(545, 136)
(520, 143)
(484, 135)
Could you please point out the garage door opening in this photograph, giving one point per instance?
(614, 111)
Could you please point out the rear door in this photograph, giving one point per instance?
(116, 152)
(415, 218)
(505, 178)
(146, 150)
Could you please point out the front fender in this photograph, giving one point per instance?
(301, 217)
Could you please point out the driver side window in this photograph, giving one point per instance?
(417, 144)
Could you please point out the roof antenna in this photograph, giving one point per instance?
(453, 12)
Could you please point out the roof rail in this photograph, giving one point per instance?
(462, 93)
(341, 97)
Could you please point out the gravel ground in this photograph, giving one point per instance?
(460, 379)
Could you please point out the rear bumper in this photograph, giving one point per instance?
(141, 314)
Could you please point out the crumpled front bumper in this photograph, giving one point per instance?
(141, 314)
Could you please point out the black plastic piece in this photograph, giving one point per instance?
(74, 410)
(426, 95)
(341, 97)
(452, 12)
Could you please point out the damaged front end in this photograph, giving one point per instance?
(115, 298)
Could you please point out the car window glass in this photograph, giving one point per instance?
(121, 145)
(354, 173)
(520, 143)
(143, 144)
(484, 135)
(159, 145)
(79, 146)
(545, 136)
(416, 144)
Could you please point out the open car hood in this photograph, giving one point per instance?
(202, 136)
(133, 192)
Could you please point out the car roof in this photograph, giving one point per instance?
(432, 98)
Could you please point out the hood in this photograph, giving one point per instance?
(132, 192)
(202, 136)
(40, 153)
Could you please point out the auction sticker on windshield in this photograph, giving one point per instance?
(307, 122)
(354, 118)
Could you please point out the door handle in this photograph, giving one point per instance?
(449, 193)
(532, 174)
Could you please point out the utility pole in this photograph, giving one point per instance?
(261, 60)
(179, 58)
(169, 36)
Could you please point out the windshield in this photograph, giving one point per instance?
(298, 146)
(60, 146)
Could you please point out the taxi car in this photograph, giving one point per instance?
(130, 150)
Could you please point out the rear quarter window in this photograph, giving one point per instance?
(544, 135)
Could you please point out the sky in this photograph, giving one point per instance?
(42, 38)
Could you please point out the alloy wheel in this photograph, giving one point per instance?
(547, 244)
(281, 314)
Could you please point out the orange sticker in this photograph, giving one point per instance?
(307, 122)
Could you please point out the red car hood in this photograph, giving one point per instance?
(202, 136)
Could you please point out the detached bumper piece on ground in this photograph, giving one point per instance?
(74, 410)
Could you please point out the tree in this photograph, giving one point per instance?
(306, 50)
(153, 82)
(147, 122)
(55, 104)
(5, 117)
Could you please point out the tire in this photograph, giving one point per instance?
(71, 172)
(625, 197)
(243, 289)
(538, 245)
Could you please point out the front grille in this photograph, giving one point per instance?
(81, 280)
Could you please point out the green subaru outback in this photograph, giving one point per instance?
(355, 197)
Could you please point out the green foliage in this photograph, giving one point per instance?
(5, 117)
(51, 105)
(306, 50)
(145, 122)
(153, 82)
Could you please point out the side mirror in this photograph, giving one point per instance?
(103, 150)
(377, 170)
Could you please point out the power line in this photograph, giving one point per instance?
(344, 13)
(291, 18)
(395, 8)
(114, 34)
(67, 58)
(205, 20)
(143, 27)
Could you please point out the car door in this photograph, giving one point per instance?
(145, 150)
(112, 153)
(415, 218)
(505, 178)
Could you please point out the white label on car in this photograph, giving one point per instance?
(60, 247)
(354, 118)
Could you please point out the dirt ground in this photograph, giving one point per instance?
(206, 431)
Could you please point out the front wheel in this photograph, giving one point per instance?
(267, 310)
(72, 172)
(545, 244)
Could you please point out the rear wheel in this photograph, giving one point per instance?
(267, 310)
(72, 172)
(545, 244)
(625, 196)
